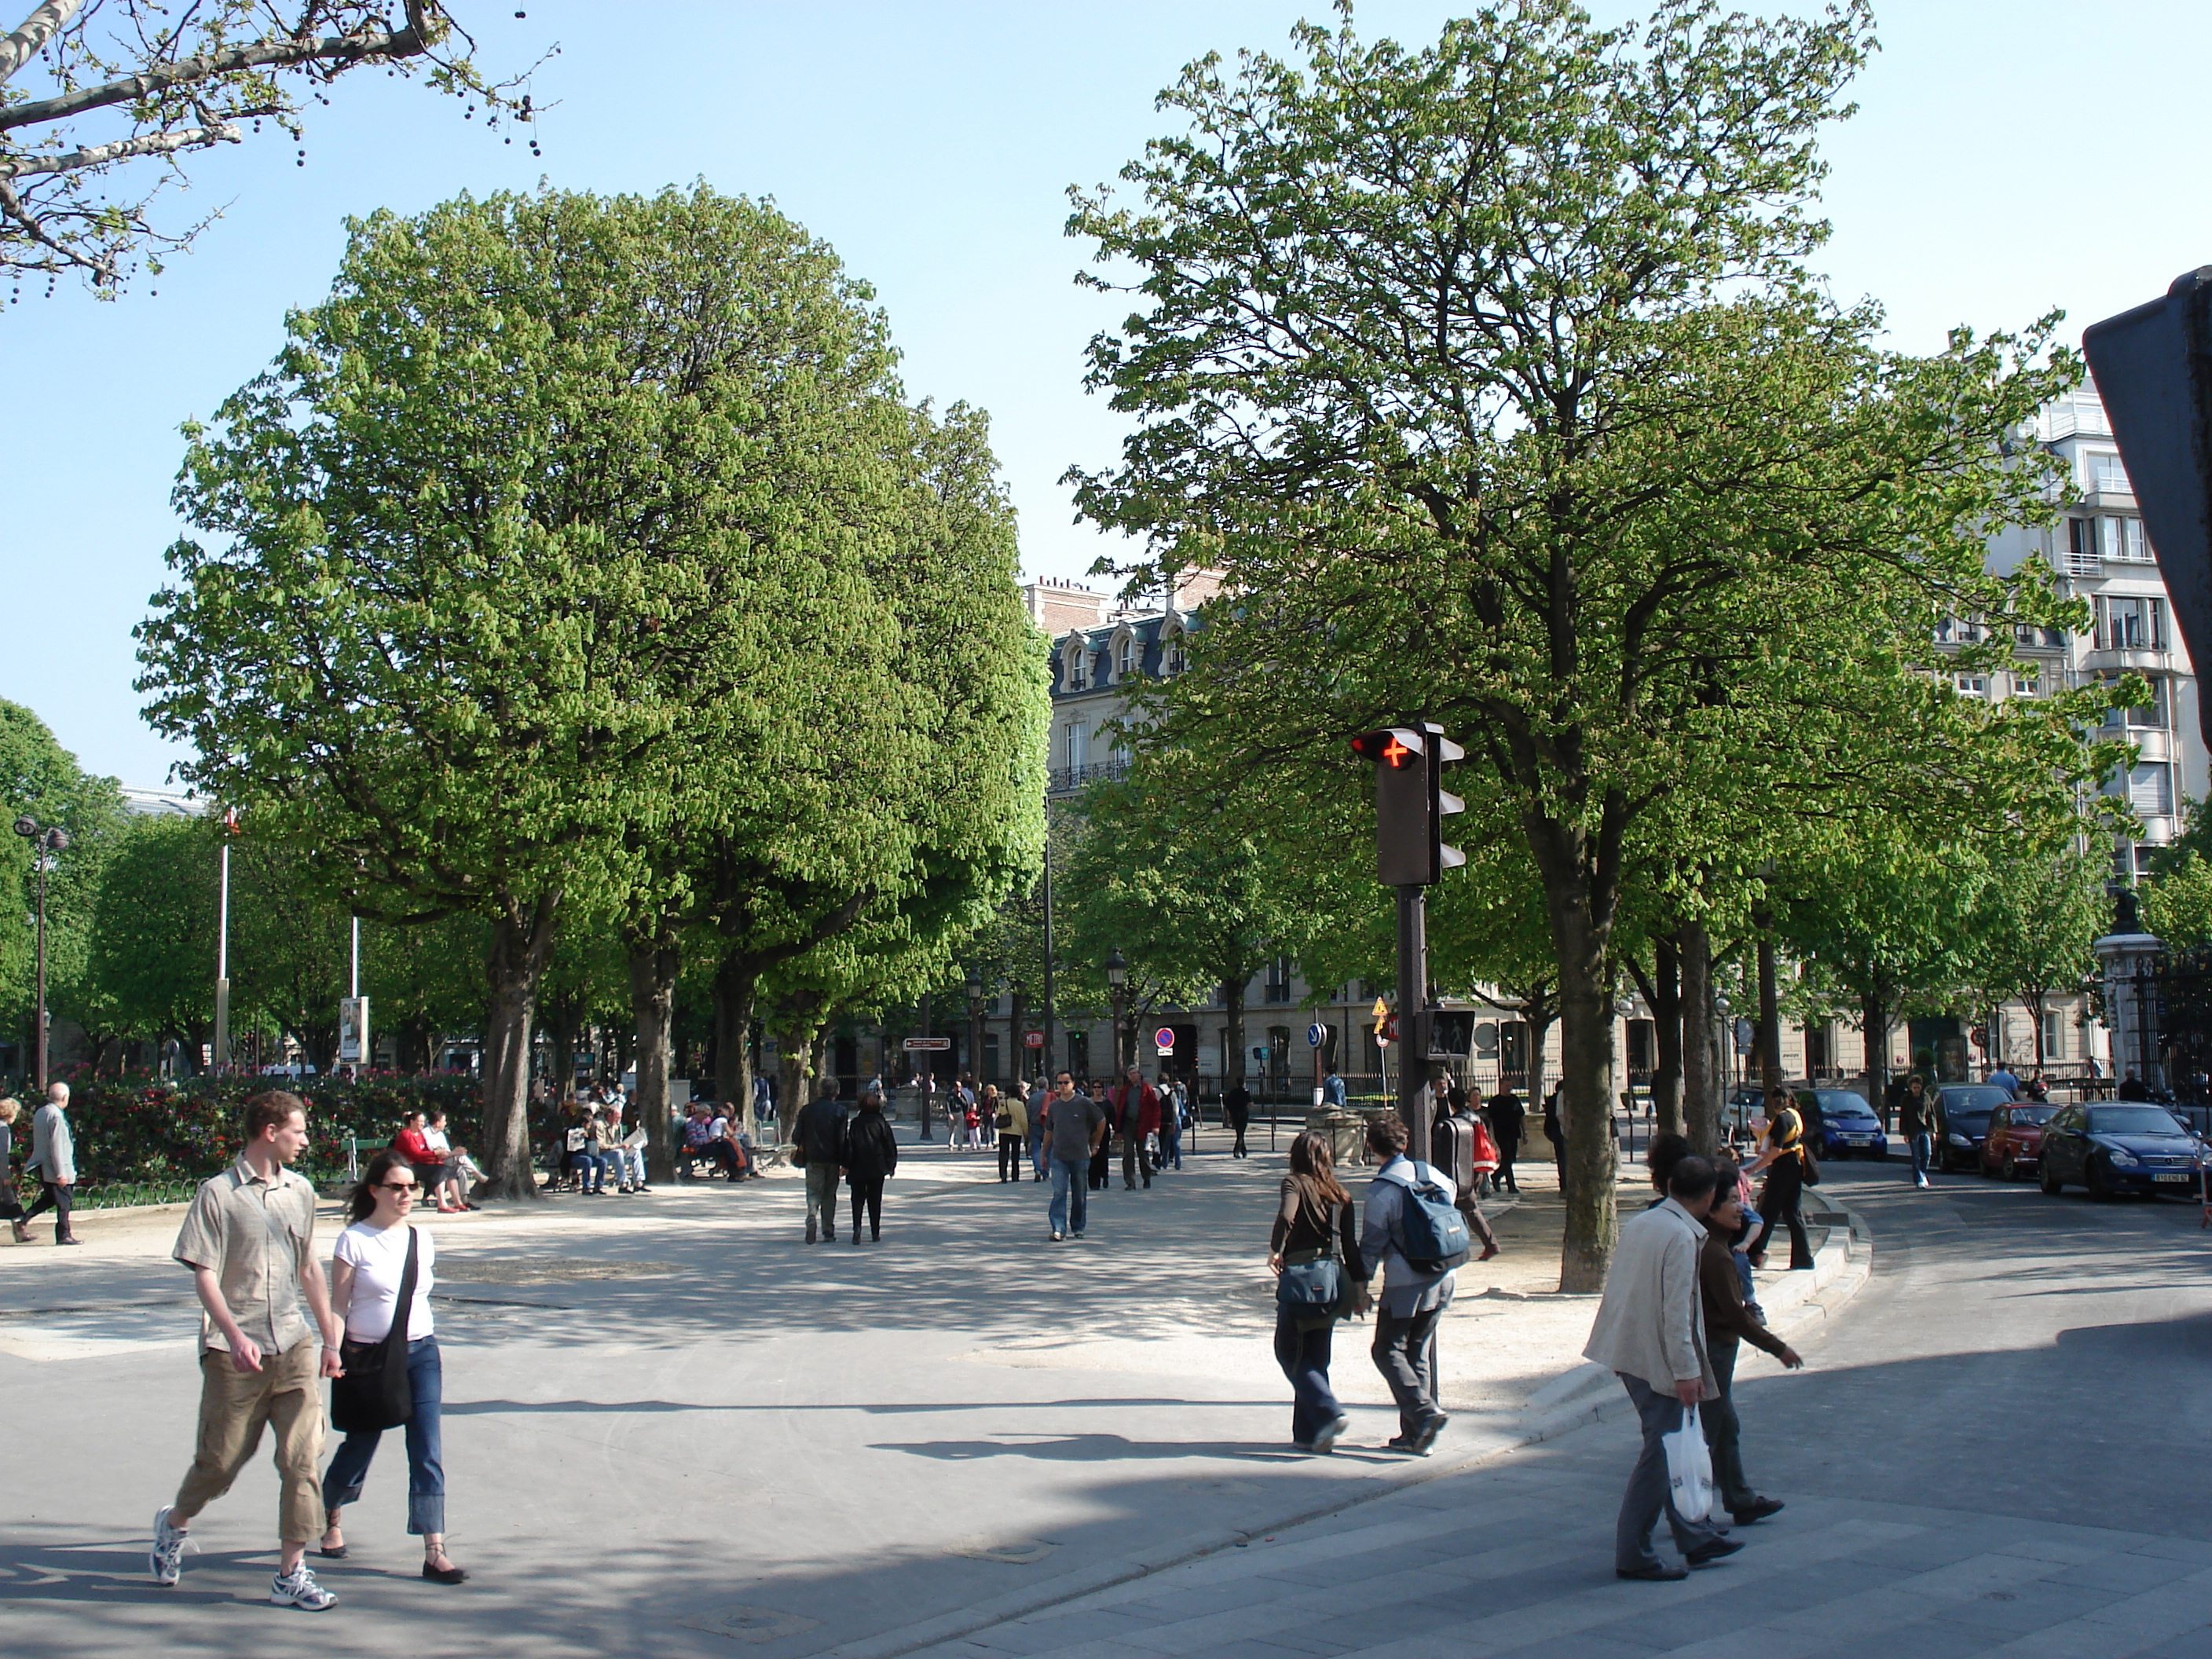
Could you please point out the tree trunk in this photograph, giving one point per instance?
(2035, 1001)
(1769, 1007)
(653, 965)
(1701, 1077)
(1537, 1015)
(737, 985)
(1587, 1171)
(1018, 1056)
(1664, 994)
(1873, 1026)
(522, 941)
(1232, 1003)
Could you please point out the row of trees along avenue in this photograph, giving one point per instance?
(580, 561)
(1493, 381)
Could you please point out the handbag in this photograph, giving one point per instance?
(1314, 1286)
(1689, 1468)
(374, 1394)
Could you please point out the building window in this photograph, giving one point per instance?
(2150, 789)
(1171, 656)
(2107, 477)
(1972, 685)
(2028, 682)
(1078, 676)
(1128, 662)
(2054, 1036)
(1278, 987)
(2082, 556)
(2130, 622)
(1078, 746)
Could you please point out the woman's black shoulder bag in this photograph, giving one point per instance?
(374, 1393)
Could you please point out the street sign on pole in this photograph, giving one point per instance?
(1033, 1039)
(1163, 1039)
(353, 1031)
(927, 1045)
(1317, 1033)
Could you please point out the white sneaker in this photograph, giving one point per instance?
(298, 1588)
(167, 1558)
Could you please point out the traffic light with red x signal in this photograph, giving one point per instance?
(1411, 803)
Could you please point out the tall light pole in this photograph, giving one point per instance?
(223, 950)
(1050, 1012)
(1117, 976)
(975, 1028)
(46, 843)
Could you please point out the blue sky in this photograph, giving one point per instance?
(2008, 158)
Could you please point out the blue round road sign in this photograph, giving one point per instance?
(1317, 1035)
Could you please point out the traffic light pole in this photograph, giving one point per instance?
(1412, 1026)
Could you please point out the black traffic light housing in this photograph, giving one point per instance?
(2153, 370)
(1411, 803)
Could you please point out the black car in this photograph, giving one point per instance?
(1962, 1122)
(2113, 1147)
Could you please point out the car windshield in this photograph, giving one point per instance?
(1975, 1099)
(1841, 1102)
(2020, 1115)
(2133, 1120)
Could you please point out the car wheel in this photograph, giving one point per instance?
(1877, 1153)
(2100, 1189)
(2050, 1181)
(2011, 1169)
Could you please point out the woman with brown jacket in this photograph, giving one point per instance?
(1729, 1323)
(1314, 1222)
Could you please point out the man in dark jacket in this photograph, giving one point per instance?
(1507, 1118)
(870, 1156)
(819, 1137)
(1136, 1115)
(1236, 1112)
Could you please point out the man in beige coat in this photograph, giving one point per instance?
(1650, 1332)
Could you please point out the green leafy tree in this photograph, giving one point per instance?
(153, 940)
(1491, 377)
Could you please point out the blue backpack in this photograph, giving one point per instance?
(1431, 1233)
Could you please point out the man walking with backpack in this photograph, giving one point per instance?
(819, 1138)
(1412, 1227)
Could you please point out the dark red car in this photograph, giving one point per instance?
(2014, 1148)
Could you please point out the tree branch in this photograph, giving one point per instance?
(151, 143)
(32, 33)
(410, 42)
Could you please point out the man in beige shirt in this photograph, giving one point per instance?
(249, 1239)
(1651, 1332)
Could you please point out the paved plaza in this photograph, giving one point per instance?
(672, 1429)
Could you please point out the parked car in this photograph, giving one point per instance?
(1962, 1122)
(1846, 1125)
(2120, 1147)
(2015, 1146)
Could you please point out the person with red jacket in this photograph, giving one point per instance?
(1137, 1116)
(411, 1144)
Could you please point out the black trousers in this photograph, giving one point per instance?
(1097, 1176)
(1135, 1159)
(1238, 1124)
(55, 1196)
(1784, 1202)
(1505, 1180)
(1010, 1156)
(867, 1194)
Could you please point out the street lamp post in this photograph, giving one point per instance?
(46, 843)
(1117, 976)
(975, 1028)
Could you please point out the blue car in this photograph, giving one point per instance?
(2114, 1147)
(1847, 1127)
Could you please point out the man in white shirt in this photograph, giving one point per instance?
(53, 1161)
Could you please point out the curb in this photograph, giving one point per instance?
(1798, 1304)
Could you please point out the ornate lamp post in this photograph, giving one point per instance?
(46, 843)
(1117, 977)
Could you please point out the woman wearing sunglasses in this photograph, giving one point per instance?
(371, 1260)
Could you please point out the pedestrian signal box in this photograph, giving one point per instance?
(1411, 803)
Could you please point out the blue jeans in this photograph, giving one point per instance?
(1068, 1174)
(1171, 1144)
(1304, 1356)
(425, 1468)
(1923, 1149)
(591, 1173)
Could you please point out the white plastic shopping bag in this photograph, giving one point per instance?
(1689, 1468)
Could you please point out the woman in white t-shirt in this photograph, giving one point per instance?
(370, 1261)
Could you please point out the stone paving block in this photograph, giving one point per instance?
(2023, 1608)
(1916, 1642)
(2198, 1551)
(2124, 1570)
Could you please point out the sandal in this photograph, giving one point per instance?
(328, 1551)
(448, 1574)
